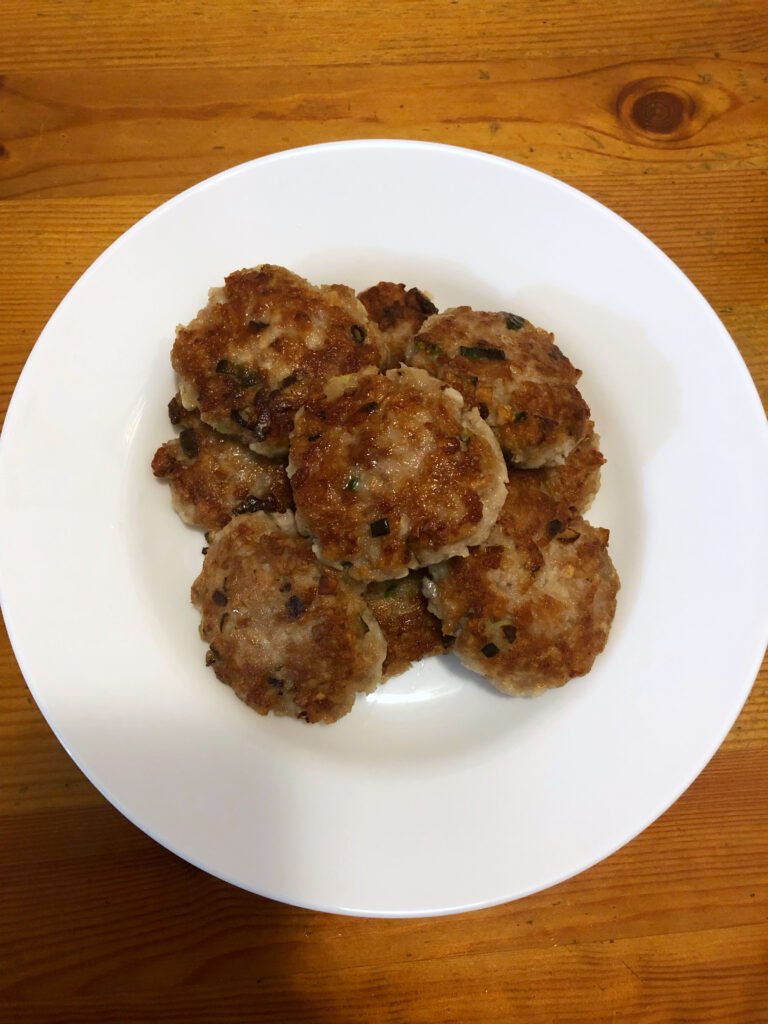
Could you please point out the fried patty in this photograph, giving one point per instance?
(513, 372)
(213, 477)
(529, 614)
(288, 634)
(265, 344)
(538, 497)
(391, 472)
(412, 632)
(398, 312)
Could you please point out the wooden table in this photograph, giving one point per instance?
(657, 109)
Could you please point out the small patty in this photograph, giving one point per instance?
(398, 312)
(213, 477)
(537, 497)
(266, 343)
(391, 472)
(529, 614)
(288, 634)
(412, 632)
(522, 384)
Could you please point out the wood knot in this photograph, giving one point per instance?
(659, 112)
(664, 110)
(4, 154)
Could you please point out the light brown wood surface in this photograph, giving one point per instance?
(107, 109)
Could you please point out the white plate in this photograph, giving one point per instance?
(436, 794)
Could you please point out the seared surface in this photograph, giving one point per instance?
(288, 634)
(535, 497)
(523, 385)
(412, 632)
(213, 477)
(391, 472)
(529, 613)
(399, 312)
(263, 345)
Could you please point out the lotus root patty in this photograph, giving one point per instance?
(529, 615)
(398, 312)
(391, 472)
(288, 634)
(412, 632)
(213, 477)
(263, 345)
(514, 374)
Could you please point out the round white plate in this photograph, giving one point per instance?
(435, 794)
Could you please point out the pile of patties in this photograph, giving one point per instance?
(379, 482)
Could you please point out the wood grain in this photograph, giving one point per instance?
(157, 33)
(91, 132)
(659, 111)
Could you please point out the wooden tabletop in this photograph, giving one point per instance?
(656, 109)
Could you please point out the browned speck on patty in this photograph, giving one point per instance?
(213, 477)
(514, 374)
(288, 634)
(399, 312)
(266, 343)
(412, 632)
(391, 472)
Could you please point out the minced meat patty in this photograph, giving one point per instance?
(537, 497)
(288, 634)
(529, 612)
(522, 384)
(391, 472)
(398, 312)
(412, 632)
(213, 477)
(266, 343)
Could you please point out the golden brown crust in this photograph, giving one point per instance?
(537, 497)
(289, 635)
(390, 472)
(213, 477)
(412, 632)
(514, 374)
(529, 614)
(398, 312)
(265, 344)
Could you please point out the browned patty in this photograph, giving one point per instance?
(529, 614)
(399, 312)
(513, 372)
(537, 497)
(265, 344)
(288, 634)
(391, 472)
(412, 632)
(213, 477)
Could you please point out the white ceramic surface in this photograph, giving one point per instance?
(436, 794)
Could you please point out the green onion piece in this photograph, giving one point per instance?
(514, 323)
(352, 484)
(380, 528)
(490, 650)
(189, 443)
(421, 344)
(510, 632)
(481, 352)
